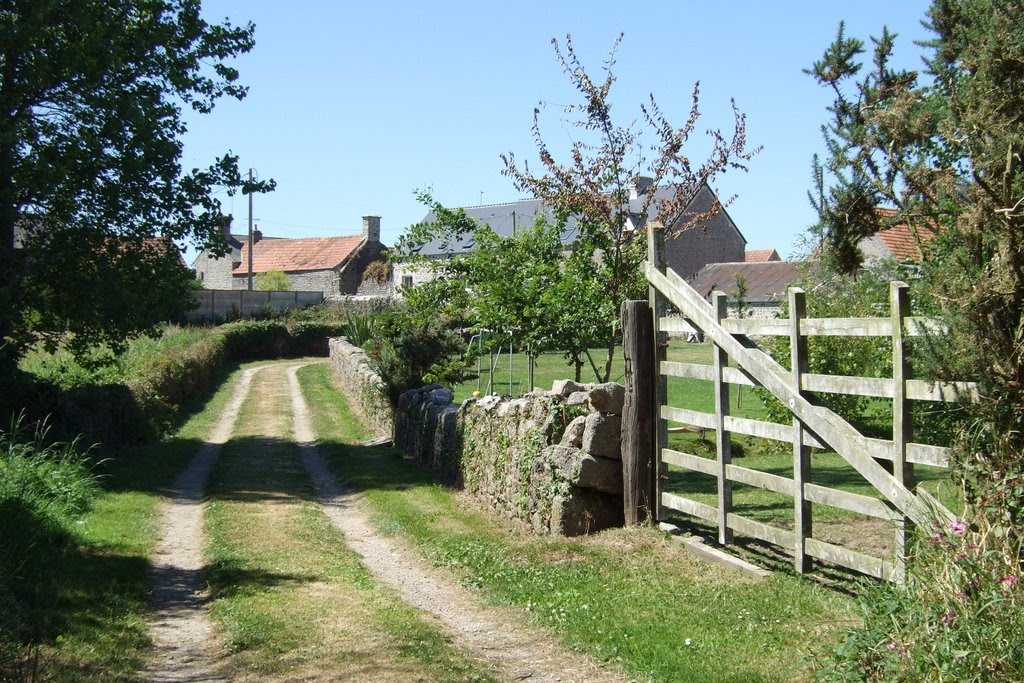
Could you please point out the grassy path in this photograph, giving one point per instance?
(291, 600)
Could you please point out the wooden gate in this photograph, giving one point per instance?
(739, 361)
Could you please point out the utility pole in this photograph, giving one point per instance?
(250, 229)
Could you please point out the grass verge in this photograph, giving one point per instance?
(628, 597)
(290, 599)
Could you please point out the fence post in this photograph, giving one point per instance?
(902, 418)
(723, 438)
(659, 342)
(638, 411)
(802, 525)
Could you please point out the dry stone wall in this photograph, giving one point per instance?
(550, 458)
(361, 383)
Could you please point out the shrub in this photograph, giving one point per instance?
(360, 330)
(959, 617)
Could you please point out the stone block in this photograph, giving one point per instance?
(442, 396)
(573, 435)
(564, 387)
(578, 398)
(608, 397)
(600, 474)
(584, 512)
(602, 435)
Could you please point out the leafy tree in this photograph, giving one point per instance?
(273, 281)
(91, 98)
(523, 288)
(594, 184)
(945, 150)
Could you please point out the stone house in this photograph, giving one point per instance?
(716, 239)
(332, 265)
(896, 242)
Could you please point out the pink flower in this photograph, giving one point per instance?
(1009, 580)
(958, 527)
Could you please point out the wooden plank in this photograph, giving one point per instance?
(755, 327)
(948, 392)
(637, 443)
(902, 417)
(798, 364)
(767, 430)
(687, 370)
(923, 454)
(723, 438)
(659, 307)
(689, 507)
(844, 500)
(689, 461)
(764, 480)
(844, 557)
(690, 417)
(760, 531)
(844, 384)
(675, 324)
(917, 453)
(843, 438)
(846, 327)
(704, 372)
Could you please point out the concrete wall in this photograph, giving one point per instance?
(215, 304)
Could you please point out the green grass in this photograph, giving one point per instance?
(630, 597)
(291, 600)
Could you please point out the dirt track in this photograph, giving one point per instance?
(186, 648)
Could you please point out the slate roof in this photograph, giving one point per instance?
(899, 239)
(760, 255)
(507, 218)
(766, 281)
(298, 254)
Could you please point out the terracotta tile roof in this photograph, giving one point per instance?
(760, 255)
(766, 281)
(300, 254)
(901, 241)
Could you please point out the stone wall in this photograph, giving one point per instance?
(550, 459)
(362, 385)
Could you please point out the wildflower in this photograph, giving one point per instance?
(1008, 581)
(687, 641)
(958, 527)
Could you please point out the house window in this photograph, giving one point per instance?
(407, 280)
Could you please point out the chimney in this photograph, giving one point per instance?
(640, 187)
(371, 228)
(256, 234)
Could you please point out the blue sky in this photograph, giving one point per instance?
(354, 106)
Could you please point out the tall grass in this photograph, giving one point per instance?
(45, 488)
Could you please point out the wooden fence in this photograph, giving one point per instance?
(813, 425)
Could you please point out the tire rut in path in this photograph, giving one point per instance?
(181, 631)
(515, 650)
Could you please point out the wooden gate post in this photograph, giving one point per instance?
(802, 527)
(659, 345)
(723, 437)
(902, 419)
(638, 412)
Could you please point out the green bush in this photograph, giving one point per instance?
(959, 617)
